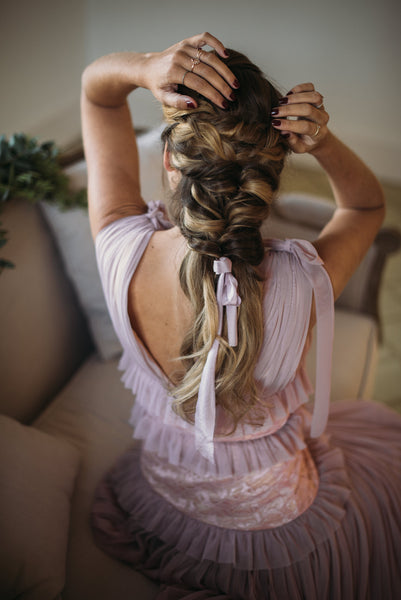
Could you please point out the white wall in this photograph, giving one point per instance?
(350, 49)
(41, 59)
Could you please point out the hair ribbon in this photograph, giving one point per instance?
(205, 415)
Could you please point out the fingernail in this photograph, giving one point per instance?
(289, 93)
(226, 54)
(276, 122)
(224, 104)
(285, 135)
(283, 101)
(233, 96)
(274, 111)
(236, 83)
(190, 104)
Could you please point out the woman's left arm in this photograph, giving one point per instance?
(108, 134)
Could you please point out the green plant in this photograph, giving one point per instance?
(31, 171)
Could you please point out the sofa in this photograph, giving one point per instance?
(64, 412)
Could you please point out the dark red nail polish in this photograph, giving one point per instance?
(289, 93)
(274, 112)
(224, 104)
(276, 122)
(236, 83)
(283, 101)
(233, 97)
(226, 54)
(190, 104)
(285, 135)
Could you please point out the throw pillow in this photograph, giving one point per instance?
(37, 473)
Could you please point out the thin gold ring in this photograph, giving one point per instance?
(317, 130)
(185, 74)
(198, 54)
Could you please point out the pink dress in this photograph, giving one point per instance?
(277, 513)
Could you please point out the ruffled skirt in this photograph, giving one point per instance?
(345, 546)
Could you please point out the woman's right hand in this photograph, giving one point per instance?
(186, 63)
(309, 130)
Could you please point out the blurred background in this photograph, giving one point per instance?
(350, 49)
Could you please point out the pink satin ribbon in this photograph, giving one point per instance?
(205, 415)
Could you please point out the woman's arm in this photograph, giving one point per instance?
(108, 133)
(345, 240)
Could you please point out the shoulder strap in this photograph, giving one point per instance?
(312, 266)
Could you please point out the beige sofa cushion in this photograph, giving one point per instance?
(92, 413)
(43, 334)
(37, 474)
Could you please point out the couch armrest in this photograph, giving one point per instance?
(304, 215)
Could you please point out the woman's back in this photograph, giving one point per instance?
(159, 311)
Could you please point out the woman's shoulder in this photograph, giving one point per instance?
(155, 218)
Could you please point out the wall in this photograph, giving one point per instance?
(349, 49)
(42, 57)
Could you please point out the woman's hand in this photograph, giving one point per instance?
(309, 130)
(187, 64)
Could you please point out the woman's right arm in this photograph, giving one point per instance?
(346, 238)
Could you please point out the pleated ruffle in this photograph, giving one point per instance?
(356, 516)
(231, 458)
(249, 550)
(249, 448)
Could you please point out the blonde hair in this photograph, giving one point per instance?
(230, 162)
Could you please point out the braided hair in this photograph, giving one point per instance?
(230, 163)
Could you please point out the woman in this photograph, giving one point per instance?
(237, 491)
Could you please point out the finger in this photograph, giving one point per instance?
(203, 87)
(305, 111)
(214, 62)
(301, 127)
(206, 39)
(301, 87)
(311, 97)
(180, 101)
(212, 76)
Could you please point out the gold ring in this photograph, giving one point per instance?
(317, 130)
(194, 61)
(198, 54)
(185, 74)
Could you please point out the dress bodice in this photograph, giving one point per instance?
(293, 273)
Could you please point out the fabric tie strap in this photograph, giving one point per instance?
(205, 415)
(312, 265)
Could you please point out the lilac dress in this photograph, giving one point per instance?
(282, 510)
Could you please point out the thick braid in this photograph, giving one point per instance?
(230, 163)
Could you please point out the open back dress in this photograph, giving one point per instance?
(288, 507)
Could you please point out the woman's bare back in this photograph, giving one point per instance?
(159, 311)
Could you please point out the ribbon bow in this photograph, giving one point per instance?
(205, 415)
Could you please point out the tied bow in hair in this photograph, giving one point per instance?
(205, 415)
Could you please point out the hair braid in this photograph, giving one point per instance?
(230, 162)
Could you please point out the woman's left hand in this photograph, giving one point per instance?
(307, 132)
(186, 63)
